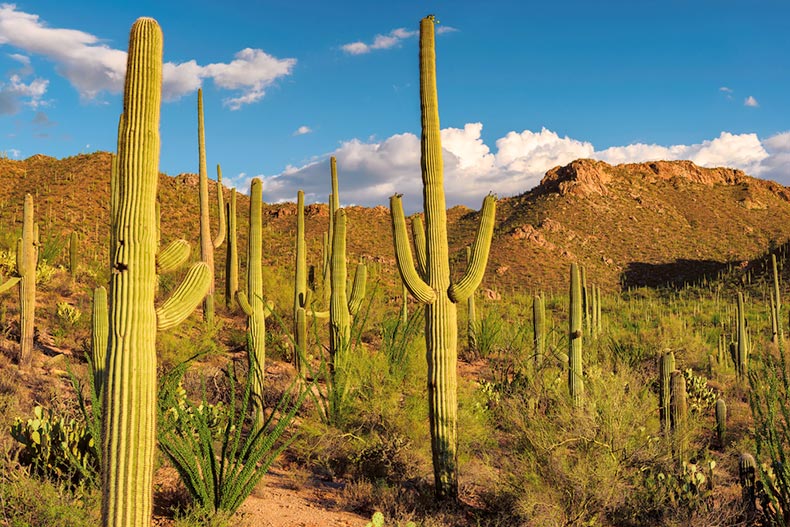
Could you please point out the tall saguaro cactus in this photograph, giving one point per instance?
(26, 260)
(232, 254)
(742, 341)
(666, 365)
(300, 285)
(431, 284)
(129, 420)
(207, 244)
(252, 302)
(575, 379)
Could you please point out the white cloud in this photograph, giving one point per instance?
(13, 152)
(725, 89)
(302, 130)
(751, 102)
(92, 67)
(387, 41)
(370, 172)
(15, 93)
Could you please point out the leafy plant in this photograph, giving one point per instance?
(220, 474)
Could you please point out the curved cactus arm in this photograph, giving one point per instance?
(461, 290)
(244, 303)
(173, 256)
(268, 308)
(185, 298)
(8, 284)
(411, 279)
(358, 289)
(319, 315)
(418, 235)
(220, 211)
(100, 332)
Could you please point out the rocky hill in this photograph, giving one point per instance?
(633, 224)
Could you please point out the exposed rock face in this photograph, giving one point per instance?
(188, 179)
(588, 176)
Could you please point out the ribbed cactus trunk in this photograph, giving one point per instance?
(300, 286)
(232, 254)
(99, 337)
(431, 284)
(26, 260)
(129, 437)
(471, 311)
(575, 379)
(252, 302)
(721, 421)
(679, 415)
(339, 315)
(742, 340)
(538, 328)
(666, 366)
(207, 244)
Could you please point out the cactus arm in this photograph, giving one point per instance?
(8, 284)
(319, 315)
(418, 236)
(99, 337)
(244, 303)
(185, 298)
(411, 279)
(220, 211)
(358, 289)
(232, 254)
(173, 256)
(461, 290)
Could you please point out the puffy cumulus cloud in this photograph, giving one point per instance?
(302, 130)
(370, 172)
(392, 39)
(93, 67)
(15, 93)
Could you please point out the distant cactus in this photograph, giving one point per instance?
(207, 244)
(539, 328)
(26, 261)
(747, 474)
(232, 254)
(430, 283)
(742, 341)
(679, 415)
(776, 305)
(721, 421)
(575, 379)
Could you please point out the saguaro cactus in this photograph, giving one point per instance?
(538, 328)
(431, 285)
(129, 421)
(776, 311)
(471, 310)
(747, 474)
(742, 339)
(575, 379)
(678, 414)
(721, 421)
(300, 284)
(207, 244)
(232, 254)
(666, 366)
(99, 337)
(252, 302)
(26, 260)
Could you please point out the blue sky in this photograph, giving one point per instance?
(522, 87)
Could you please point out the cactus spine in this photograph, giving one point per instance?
(666, 367)
(232, 254)
(433, 286)
(575, 379)
(539, 328)
(26, 260)
(207, 245)
(721, 421)
(678, 414)
(129, 387)
(99, 337)
(252, 303)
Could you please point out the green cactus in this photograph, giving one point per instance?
(665, 367)
(742, 341)
(129, 393)
(471, 322)
(776, 305)
(252, 303)
(433, 286)
(26, 260)
(99, 337)
(575, 374)
(173, 256)
(73, 253)
(207, 244)
(300, 285)
(538, 328)
(232, 254)
(598, 308)
(721, 421)
(747, 474)
(587, 327)
(678, 415)
(404, 307)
